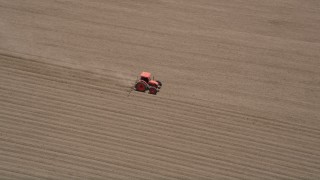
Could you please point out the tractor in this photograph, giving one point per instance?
(145, 83)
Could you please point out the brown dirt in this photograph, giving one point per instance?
(241, 95)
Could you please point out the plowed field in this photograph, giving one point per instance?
(240, 96)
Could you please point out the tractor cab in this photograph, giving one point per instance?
(145, 76)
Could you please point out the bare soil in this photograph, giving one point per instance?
(240, 96)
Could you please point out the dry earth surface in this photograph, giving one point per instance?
(241, 94)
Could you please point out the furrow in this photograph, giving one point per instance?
(67, 135)
(210, 130)
(27, 168)
(306, 129)
(217, 120)
(109, 157)
(96, 145)
(269, 128)
(171, 136)
(44, 162)
(66, 149)
(8, 173)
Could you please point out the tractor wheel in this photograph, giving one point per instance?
(160, 84)
(141, 86)
(153, 90)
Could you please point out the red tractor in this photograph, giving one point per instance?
(146, 83)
